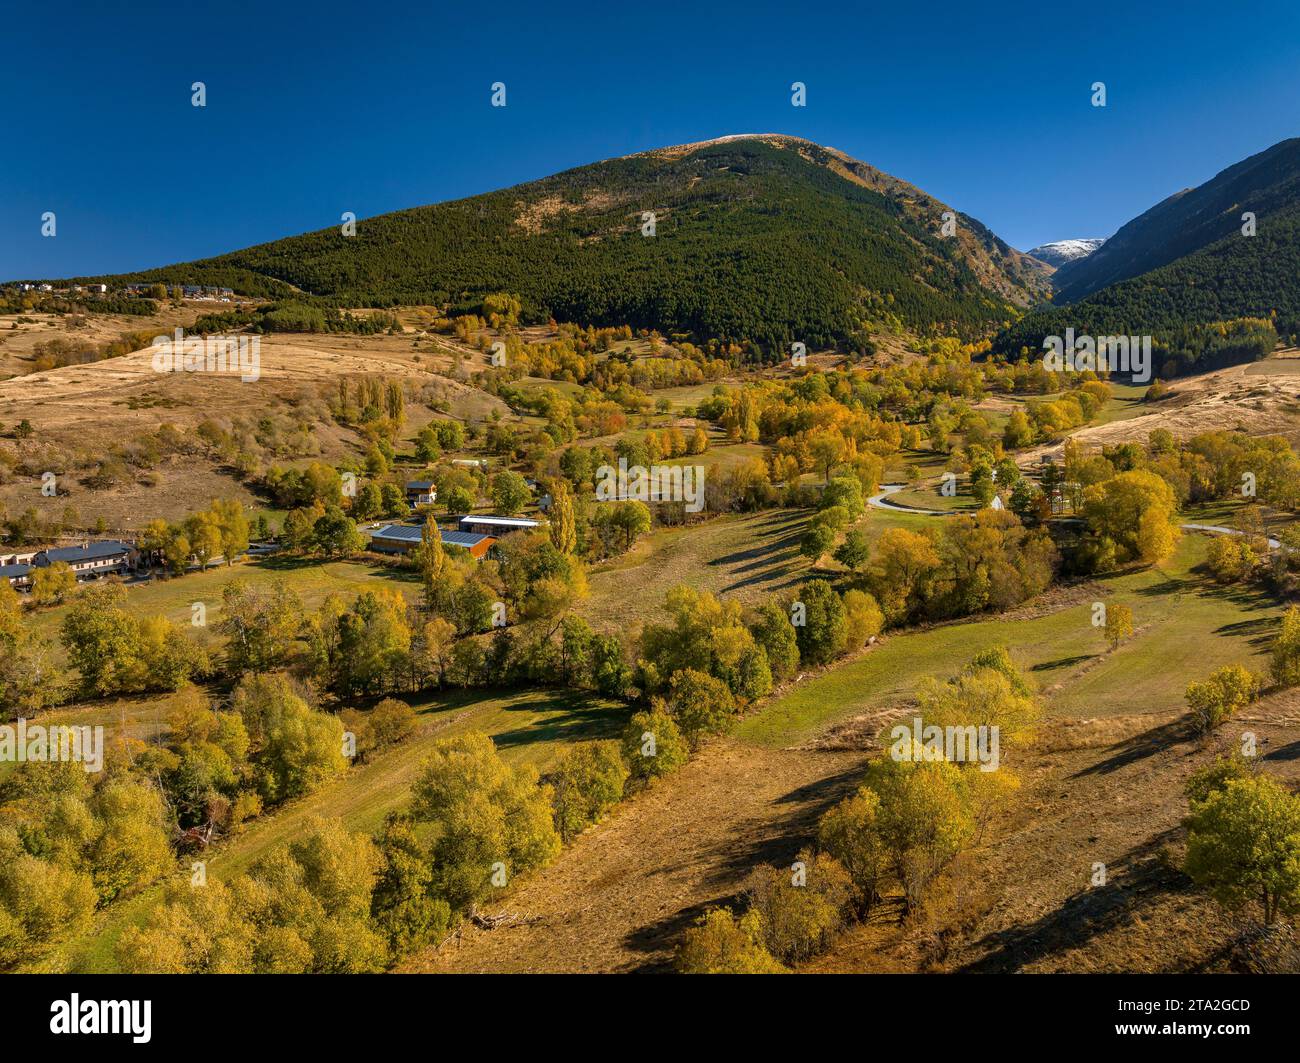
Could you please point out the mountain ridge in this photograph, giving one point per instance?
(762, 237)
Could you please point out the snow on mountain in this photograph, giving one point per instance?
(1059, 252)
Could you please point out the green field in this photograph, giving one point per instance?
(1184, 627)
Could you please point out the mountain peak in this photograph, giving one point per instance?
(1059, 252)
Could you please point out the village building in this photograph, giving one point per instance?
(91, 560)
(404, 538)
(421, 493)
(488, 524)
(18, 575)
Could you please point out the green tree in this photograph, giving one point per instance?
(53, 583)
(1243, 844)
(587, 782)
(700, 704)
(491, 821)
(563, 527)
(825, 629)
(773, 632)
(509, 492)
(261, 625)
(652, 744)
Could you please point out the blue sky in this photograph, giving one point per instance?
(317, 109)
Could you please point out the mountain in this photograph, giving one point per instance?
(1059, 252)
(762, 237)
(1188, 221)
(1184, 268)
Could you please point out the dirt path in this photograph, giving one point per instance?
(620, 896)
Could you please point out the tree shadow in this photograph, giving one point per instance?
(1134, 882)
(782, 837)
(1291, 751)
(1140, 746)
(1063, 662)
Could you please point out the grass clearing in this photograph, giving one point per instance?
(1180, 619)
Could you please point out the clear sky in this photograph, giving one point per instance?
(319, 108)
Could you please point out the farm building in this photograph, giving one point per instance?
(492, 525)
(403, 538)
(91, 560)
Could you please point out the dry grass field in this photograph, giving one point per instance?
(81, 411)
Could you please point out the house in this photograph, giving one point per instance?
(404, 538)
(486, 524)
(91, 560)
(420, 493)
(23, 557)
(18, 575)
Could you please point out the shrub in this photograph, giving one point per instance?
(1217, 698)
(801, 908)
(722, 944)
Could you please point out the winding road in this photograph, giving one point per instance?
(881, 500)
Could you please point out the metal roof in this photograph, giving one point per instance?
(505, 522)
(402, 532)
(466, 539)
(13, 571)
(89, 552)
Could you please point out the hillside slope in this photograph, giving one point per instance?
(1188, 221)
(767, 238)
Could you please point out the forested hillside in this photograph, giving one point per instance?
(769, 239)
(1189, 221)
(1235, 277)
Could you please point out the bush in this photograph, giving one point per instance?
(1227, 690)
(722, 944)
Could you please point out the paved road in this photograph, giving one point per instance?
(881, 500)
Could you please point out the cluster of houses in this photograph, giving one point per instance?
(87, 561)
(475, 533)
(202, 292)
